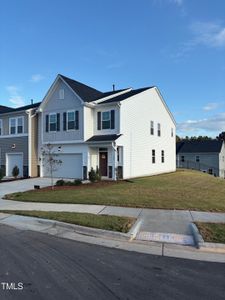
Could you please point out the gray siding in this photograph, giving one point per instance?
(21, 144)
(55, 105)
(207, 161)
(5, 119)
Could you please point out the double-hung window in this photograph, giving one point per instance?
(12, 126)
(1, 128)
(71, 120)
(162, 156)
(106, 120)
(159, 129)
(20, 125)
(16, 125)
(152, 127)
(153, 156)
(52, 122)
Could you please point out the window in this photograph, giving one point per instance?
(16, 125)
(61, 94)
(71, 120)
(52, 122)
(171, 132)
(152, 128)
(197, 158)
(182, 158)
(153, 156)
(20, 125)
(162, 156)
(159, 129)
(106, 120)
(1, 129)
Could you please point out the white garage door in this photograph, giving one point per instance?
(71, 166)
(12, 160)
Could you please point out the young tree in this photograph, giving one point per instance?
(49, 159)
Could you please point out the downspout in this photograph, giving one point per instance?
(115, 160)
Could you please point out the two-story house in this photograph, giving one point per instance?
(125, 133)
(18, 140)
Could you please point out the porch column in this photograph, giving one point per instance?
(114, 161)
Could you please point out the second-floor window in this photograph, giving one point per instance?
(1, 128)
(182, 158)
(52, 122)
(152, 127)
(106, 120)
(16, 125)
(159, 129)
(197, 158)
(72, 120)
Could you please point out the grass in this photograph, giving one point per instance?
(212, 232)
(113, 223)
(184, 189)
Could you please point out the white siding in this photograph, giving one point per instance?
(88, 122)
(136, 114)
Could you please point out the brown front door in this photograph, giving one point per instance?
(103, 163)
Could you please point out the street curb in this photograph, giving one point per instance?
(205, 246)
(88, 231)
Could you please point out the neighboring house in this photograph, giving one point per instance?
(18, 140)
(206, 155)
(125, 133)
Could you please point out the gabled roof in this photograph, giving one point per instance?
(3, 108)
(86, 93)
(104, 138)
(21, 108)
(205, 146)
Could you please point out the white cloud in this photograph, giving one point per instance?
(211, 106)
(14, 96)
(212, 125)
(36, 78)
(211, 34)
(177, 2)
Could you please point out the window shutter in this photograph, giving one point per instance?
(58, 122)
(113, 119)
(64, 121)
(99, 120)
(77, 119)
(46, 122)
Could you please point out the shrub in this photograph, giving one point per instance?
(1, 174)
(15, 172)
(77, 181)
(60, 182)
(94, 175)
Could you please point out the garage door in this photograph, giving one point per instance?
(12, 160)
(71, 166)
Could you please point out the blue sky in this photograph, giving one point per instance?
(177, 45)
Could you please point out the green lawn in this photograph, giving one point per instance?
(184, 189)
(114, 223)
(212, 232)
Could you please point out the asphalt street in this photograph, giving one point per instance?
(53, 268)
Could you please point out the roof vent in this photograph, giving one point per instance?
(31, 101)
(113, 86)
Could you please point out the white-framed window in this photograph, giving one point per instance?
(162, 156)
(52, 122)
(152, 127)
(197, 158)
(182, 158)
(61, 94)
(159, 129)
(106, 120)
(153, 156)
(16, 125)
(1, 127)
(71, 120)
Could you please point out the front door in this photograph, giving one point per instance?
(103, 163)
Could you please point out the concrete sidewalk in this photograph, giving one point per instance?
(172, 226)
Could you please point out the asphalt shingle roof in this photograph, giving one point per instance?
(10, 109)
(104, 138)
(199, 146)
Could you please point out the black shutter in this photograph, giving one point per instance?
(58, 122)
(99, 120)
(46, 122)
(77, 119)
(64, 121)
(113, 119)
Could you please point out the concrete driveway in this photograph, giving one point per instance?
(23, 185)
